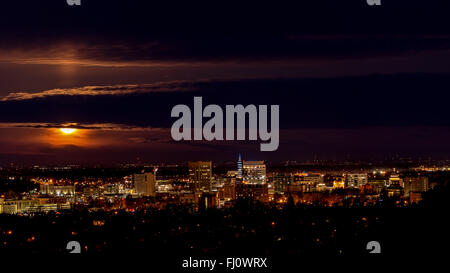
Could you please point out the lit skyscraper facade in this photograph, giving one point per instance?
(144, 184)
(200, 175)
(254, 172)
(239, 167)
(415, 185)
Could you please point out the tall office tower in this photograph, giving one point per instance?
(239, 168)
(254, 172)
(200, 175)
(229, 189)
(144, 184)
(415, 184)
(355, 180)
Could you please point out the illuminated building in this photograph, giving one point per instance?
(91, 192)
(32, 205)
(229, 189)
(395, 180)
(207, 200)
(188, 198)
(355, 180)
(200, 175)
(258, 192)
(415, 197)
(281, 181)
(57, 190)
(339, 183)
(47, 207)
(239, 168)
(415, 186)
(394, 190)
(304, 182)
(9, 208)
(377, 183)
(144, 184)
(254, 172)
(313, 179)
(321, 187)
(114, 189)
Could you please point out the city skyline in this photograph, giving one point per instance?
(224, 135)
(197, 180)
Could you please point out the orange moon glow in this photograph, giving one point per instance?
(67, 131)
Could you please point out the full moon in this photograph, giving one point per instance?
(67, 131)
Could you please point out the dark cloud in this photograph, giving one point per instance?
(74, 125)
(288, 49)
(109, 31)
(122, 90)
(377, 100)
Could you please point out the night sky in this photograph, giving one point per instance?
(353, 81)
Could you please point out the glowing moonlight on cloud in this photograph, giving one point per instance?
(67, 131)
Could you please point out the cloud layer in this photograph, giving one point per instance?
(105, 32)
(378, 100)
(121, 90)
